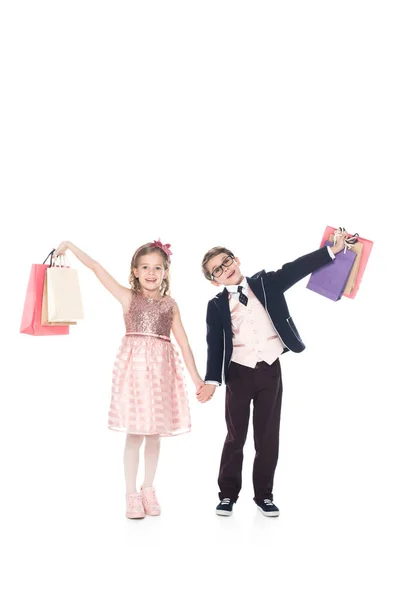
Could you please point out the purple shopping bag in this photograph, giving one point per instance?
(330, 281)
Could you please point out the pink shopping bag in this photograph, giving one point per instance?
(366, 251)
(32, 316)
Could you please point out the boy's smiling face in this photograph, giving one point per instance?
(224, 269)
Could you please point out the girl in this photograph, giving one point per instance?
(148, 398)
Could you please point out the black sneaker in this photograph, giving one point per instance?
(224, 508)
(268, 508)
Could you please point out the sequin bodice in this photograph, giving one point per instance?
(150, 316)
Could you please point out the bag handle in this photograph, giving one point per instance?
(61, 258)
(349, 241)
(50, 255)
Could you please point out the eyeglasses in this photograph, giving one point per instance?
(217, 272)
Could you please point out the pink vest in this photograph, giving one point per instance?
(254, 336)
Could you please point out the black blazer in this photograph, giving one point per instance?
(269, 288)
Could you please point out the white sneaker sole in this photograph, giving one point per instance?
(223, 513)
(275, 513)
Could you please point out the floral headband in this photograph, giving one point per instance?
(164, 247)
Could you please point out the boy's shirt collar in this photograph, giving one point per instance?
(233, 289)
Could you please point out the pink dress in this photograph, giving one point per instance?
(148, 388)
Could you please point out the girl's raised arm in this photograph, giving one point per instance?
(121, 293)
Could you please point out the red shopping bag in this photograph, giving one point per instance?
(366, 251)
(32, 316)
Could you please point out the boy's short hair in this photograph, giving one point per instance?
(211, 254)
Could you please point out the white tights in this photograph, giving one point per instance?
(131, 460)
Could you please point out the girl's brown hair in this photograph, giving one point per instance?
(143, 251)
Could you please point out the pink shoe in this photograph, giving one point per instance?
(150, 502)
(134, 506)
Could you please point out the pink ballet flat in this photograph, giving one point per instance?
(134, 506)
(150, 502)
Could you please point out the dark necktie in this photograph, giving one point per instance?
(242, 297)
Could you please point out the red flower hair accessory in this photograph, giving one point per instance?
(164, 247)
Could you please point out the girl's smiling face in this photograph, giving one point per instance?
(150, 271)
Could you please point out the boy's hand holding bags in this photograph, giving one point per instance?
(343, 276)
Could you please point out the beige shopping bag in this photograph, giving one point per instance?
(45, 315)
(64, 301)
(351, 282)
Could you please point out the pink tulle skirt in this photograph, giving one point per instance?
(148, 388)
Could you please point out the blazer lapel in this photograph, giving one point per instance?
(256, 287)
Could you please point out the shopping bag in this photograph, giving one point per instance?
(365, 254)
(45, 311)
(64, 301)
(32, 314)
(357, 248)
(330, 280)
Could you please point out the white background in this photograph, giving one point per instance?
(248, 124)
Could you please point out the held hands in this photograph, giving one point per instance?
(200, 386)
(205, 392)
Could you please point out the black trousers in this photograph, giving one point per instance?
(263, 385)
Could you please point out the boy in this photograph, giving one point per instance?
(248, 328)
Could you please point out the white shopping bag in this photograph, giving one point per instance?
(64, 300)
